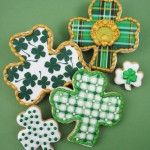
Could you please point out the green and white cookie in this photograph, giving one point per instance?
(37, 132)
(41, 68)
(88, 104)
(129, 76)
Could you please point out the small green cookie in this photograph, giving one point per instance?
(88, 105)
(37, 132)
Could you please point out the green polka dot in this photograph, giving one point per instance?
(51, 124)
(49, 139)
(41, 128)
(55, 139)
(52, 133)
(37, 142)
(34, 111)
(25, 145)
(37, 122)
(45, 148)
(45, 135)
(25, 124)
(29, 133)
(55, 128)
(36, 116)
(34, 129)
(31, 116)
(35, 134)
(23, 134)
(40, 136)
(31, 122)
(31, 141)
(26, 138)
(29, 112)
(45, 124)
(29, 127)
(21, 115)
(26, 118)
(44, 143)
(48, 129)
(21, 120)
(20, 139)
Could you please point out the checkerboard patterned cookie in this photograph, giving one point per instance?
(106, 33)
(88, 104)
(37, 132)
(40, 68)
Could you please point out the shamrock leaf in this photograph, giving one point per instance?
(26, 65)
(12, 74)
(29, 79)
(44, 37)
(38, 52)
(33, 36)
(64, 54)
(25, 93)
(20, 45)
(57, 81)
(70, 71)
(79, 65)
(44, 82)
(52, 65)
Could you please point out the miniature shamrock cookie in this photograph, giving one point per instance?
(106, 33)
(129, 75)
(37, 132)
(88, 104)
(40, 68)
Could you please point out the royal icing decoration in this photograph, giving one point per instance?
(106, 33)
(88, 105)
(41, 68)
(37, 132)
(129, 75)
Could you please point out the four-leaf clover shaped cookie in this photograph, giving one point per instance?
(88, 104)
(37, 132)
(106, 33)
(41, 68)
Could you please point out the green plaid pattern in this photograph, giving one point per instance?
(82, 32)
(87, 103)
(104, 10)
(104, 58)
(127, 35)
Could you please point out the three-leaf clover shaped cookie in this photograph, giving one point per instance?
(130, 76)
(106, 33)
(37, 132)
(88, 104)
(41, 68)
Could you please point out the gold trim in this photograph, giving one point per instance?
(51, 52)
(121, 50)
(103, 39)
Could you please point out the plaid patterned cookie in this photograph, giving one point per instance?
(37, 132)
(106, 33)
(40, 68)
(88, 104)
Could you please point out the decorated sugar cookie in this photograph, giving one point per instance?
(37, 132)
(129, 75)
(106, 33)
(41, 68)
(88, 104)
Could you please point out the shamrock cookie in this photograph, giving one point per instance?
(40, 68)
(106, 33)
(37, 132)
(88, 105)
(129, 75)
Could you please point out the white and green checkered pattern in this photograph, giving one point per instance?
(88, 104)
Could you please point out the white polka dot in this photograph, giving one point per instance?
(110, 116)
(90, 137)
(71, 109)
(104, 107)
(78, 110)
(85, 78)
(95, 113)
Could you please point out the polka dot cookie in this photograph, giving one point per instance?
(37, 132)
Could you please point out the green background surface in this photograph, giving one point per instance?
(133, 132)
